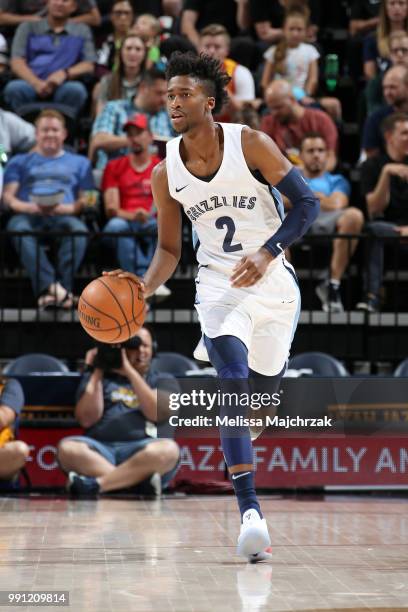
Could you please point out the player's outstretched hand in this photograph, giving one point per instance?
(251, 269)
(123, 274)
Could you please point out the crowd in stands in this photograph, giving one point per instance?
(90, 76)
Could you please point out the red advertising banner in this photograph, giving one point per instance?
(305, 462)
(281, 461)
(42, 466)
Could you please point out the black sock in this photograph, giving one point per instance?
(244, 487)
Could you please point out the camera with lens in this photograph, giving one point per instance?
(109, 356)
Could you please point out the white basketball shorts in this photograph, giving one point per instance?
(264, 317)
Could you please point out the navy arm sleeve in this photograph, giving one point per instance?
(305, 209)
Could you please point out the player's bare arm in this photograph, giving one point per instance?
(168, 249)
(262, 154)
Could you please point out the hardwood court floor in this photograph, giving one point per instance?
(178, 554)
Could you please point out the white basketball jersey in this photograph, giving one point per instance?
(233, 214)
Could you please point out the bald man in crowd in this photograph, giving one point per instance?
(395, 94)
(288, 122)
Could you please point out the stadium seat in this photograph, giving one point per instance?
(34, 362)
(402, 369)
(321, 364)
(173, 363)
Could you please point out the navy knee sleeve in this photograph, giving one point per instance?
(228, 355)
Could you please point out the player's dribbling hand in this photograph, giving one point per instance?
(251, 269)
(123, 274)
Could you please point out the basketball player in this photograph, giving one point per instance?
(227, 178)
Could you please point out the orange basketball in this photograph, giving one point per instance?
(112, 309)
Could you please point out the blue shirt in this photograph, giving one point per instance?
(123, 419)
(68, 172)
(12, 396)
(46, 51)
(329, 183)
(114, 116)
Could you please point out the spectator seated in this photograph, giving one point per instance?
(297, 61)
(335, 216)
(384, 184)
(108, 138)
(13, 453)
(215, 41)
(45, 190)
(120, 18)
(288, 121)
(126, 186)
(122, 84)
(14, 12)
(119, 411)
(48, 57)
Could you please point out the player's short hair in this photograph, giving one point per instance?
(389, 123)
(50, 113)
(205, 69)
(312, 135)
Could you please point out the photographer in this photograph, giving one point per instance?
(117, 406)
(13, 453)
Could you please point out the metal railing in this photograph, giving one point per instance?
(351, 335)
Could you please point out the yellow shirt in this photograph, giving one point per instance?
(6, 434)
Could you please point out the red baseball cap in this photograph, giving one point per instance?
(138, 120)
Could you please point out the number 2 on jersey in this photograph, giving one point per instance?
(227, 245)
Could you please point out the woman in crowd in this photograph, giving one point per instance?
(376, 54)
(123, 82)
(121, 18)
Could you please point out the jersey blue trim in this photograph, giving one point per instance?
(297, 315)
(277, 200)
(291, 272)
(196, 240)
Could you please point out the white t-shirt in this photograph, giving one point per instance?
(244, 84)
(297, 62)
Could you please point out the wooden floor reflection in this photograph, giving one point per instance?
(178, 554)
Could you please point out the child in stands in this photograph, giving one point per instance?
(297, 62)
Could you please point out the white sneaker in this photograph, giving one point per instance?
(162, 291)
(264, 555)
(254, 537)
